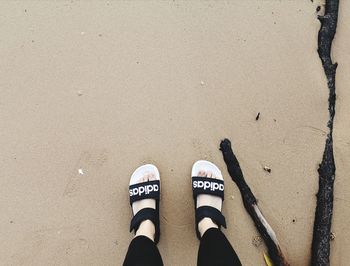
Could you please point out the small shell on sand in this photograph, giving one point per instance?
(267, 169)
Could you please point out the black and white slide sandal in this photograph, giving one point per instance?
(209, 186)
(145, 190)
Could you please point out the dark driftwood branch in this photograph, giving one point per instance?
(251, 205)
(326, 170)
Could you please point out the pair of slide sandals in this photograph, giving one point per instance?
(151, 190)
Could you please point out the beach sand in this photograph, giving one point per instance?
(91, 90)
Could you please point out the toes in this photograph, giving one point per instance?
(206, 174)
(151, 177)
(147, 177)
(143, 178)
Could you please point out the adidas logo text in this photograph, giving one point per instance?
(208, 185)
(138, 191)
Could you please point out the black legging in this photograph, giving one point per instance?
(214, 250)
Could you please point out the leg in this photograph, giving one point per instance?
(142, 252)
(216, 250)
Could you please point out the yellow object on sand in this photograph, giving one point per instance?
(267, 260)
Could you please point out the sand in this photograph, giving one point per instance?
(91, 90)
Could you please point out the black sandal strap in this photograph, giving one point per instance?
(145, 190)
(209, 212)
(147, 214)
(210, 186)
(212, 213)
(143, 215)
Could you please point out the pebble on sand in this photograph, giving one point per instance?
(267, 169)
(256, 241)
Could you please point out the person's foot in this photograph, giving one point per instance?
(208, 200)
(146, 227)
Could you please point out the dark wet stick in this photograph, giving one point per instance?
(250, 204)
(326, 170)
